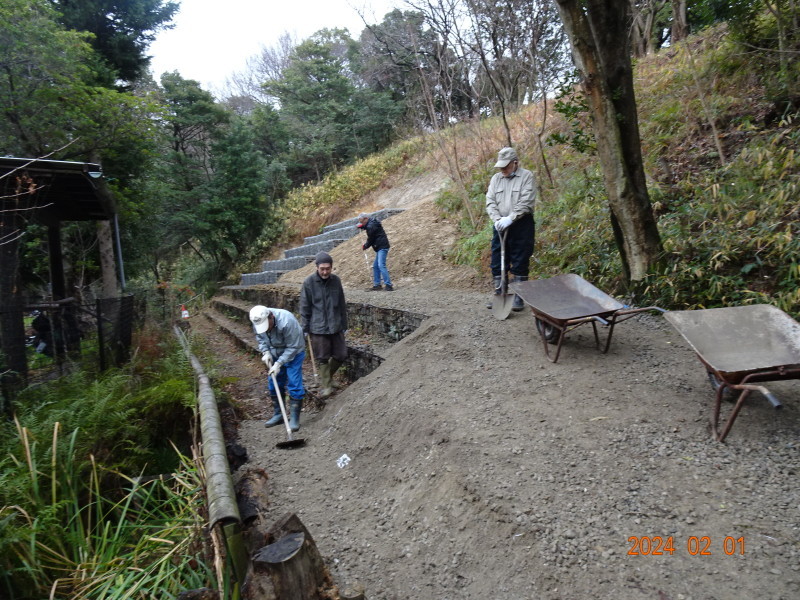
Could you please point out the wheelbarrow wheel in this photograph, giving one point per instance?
(727, 395)
(547, 331)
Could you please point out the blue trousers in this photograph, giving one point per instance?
(290, 378)
(379, 268)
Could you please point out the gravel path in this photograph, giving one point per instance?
(478, 469)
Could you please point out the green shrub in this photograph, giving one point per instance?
(70, 537)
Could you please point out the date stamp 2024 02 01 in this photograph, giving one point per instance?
(694, 546)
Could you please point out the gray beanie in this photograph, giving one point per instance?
(323, 258)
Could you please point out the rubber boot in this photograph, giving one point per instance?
(295, 406)
(277, 417)
(497, 283)
(518, 304)
(334, 365)
(325, 388)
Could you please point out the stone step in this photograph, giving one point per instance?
(341, 233)
(382, 214)
(261, 278)
(235, 310)
(233, 330)
(298, 257)
(312, 249)
(286, 264)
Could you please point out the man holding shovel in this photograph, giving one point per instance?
(378, 241)
(323, 311)
(509, 204)
(282, 346)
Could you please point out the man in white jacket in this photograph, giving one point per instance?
(509, 203)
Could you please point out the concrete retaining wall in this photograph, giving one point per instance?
(373, 320)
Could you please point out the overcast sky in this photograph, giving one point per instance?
(213, 39)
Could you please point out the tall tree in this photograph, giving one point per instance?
(318, 99)
(598, 33)
(397, 56)
(122, 31)
(521, 46)
(165, 217)
(235, 211)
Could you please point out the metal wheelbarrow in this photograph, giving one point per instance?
(561, 303)
(741, 346)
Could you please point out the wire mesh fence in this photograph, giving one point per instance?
(53, 336)
(115, 318)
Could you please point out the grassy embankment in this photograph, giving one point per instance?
(76, 519)
(728, 220)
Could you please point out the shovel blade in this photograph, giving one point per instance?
(502, 305)
(291, 444)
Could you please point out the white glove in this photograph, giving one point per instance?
(267, 359)
(275, 369)
(503, 223)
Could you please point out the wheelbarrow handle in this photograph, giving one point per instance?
(633, 311)
(582, 320)
(772, 399)
(762, 390)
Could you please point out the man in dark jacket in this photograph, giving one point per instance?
(378, 241)
(323, 312)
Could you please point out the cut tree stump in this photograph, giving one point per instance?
(295, 566)
(288, 523)
(290, 567)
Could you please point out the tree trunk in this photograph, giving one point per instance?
(105, 241)
(598, 33)
(680, 22)
(14, 367)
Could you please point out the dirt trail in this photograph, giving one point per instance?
(481, 470)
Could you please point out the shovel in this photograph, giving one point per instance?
(503, 302)
(313, 362)
(290, 441)
(369, 268)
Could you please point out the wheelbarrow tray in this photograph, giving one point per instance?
(739, 346)
(565, 297)
(567, 301)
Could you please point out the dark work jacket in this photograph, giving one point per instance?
(376, 236)
(322, 306)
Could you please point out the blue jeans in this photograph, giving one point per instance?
(379, 268)
(290, 378)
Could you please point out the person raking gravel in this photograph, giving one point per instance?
(282, 346)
